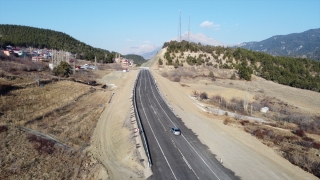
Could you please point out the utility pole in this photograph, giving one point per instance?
(180, 27)
(74, 64)
(95, 61)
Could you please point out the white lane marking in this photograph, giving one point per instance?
(156, 137)
(145, 84)
(200, 157)
(158, 118)
(185, 160)
(183, 135)
(170, 137)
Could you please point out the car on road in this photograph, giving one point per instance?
(175, 131)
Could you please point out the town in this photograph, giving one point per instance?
(54, 57)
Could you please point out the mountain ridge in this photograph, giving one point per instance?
(304, 45)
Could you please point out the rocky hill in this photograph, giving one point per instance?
(296, 72)
(305, 45)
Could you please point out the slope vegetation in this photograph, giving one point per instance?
(296, 72)
(24, 36)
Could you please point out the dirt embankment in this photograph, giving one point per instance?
(114, 142)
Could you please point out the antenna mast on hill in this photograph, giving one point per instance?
(179, 28)
(189, 30)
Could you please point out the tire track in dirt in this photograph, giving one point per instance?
(111, 142)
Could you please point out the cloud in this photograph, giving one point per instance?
(206, 24)
(209, 24)
(203, 39)
(138, 49)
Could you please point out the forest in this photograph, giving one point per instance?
(296, 72)
(137, 59)
(24, 36)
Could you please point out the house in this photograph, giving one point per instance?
(37, 58)
(7, 52)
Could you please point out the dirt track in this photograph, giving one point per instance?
(113, 142)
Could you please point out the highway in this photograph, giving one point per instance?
(173, 157)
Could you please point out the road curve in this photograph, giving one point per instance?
(173, 157)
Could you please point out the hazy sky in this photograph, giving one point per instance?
(118, 25)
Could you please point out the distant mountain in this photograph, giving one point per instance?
(149, 55)
(145, 50)
(305, 45)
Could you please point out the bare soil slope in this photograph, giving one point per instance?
(114, 142)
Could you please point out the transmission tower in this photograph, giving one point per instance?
(179, 27)
(189, 30)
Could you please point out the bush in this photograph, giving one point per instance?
(203, 95)
(211, 74)
(244, 122)
(176, 79)
(316, 145)
(226, 121)
(63, 69)
(299, 132)
(165, 74)
(3, 128)
(233, 77)
(160, 62)
(43, 145)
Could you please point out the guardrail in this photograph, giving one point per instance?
(143, 136)
(169, 106)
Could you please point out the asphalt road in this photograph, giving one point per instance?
(173, 157)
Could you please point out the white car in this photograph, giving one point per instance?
(86, 66)
(175, 131)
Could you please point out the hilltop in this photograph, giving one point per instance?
(296, 72)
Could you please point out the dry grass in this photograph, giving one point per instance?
(57, 122)
(23, 105)
(296, 146)
(74, 124)
(26, 156)
(66, 110)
